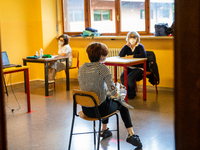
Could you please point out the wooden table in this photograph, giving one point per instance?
(46, 61)
(26, 81)
(125, 62)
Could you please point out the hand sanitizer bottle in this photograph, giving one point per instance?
(41, 53)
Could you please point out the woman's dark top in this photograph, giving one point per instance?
(137, 52)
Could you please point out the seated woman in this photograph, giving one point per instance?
(96, 77)
(63, 50)
(133, 49)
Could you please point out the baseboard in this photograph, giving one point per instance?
(151, 87)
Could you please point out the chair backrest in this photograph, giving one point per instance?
(75, 54)
(85, 98)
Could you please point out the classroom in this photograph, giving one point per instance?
(26, 27)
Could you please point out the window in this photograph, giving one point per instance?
(130, 15)
(73, 13)
(100, 15)
(161, 12)
(116, 17)
(102, 10)
(76, 15)
(106, 14)
(142, 14)
(97, 15)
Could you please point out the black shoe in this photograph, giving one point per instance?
(106, 133)
(131, 96)
(134, 140)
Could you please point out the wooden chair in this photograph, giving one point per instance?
(89, 99)
(75, 55)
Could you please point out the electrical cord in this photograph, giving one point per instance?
(12, 109)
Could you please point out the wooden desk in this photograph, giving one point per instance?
(125, 62)
(45, 61)
(26, 81)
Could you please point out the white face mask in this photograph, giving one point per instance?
(60, 43)
(132, 41)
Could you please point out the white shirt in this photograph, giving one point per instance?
(66, 49)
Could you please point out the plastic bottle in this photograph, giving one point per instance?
(36, 53)
(41, 52)
(122, 93)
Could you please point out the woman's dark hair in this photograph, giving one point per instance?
(95, 50)
(65, 37)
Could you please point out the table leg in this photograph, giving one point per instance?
(28, 90)
(144, 81)
(67, 74)
(24, 64)
(115, 70)
(46, 79)
(126, 82)
(5, 85)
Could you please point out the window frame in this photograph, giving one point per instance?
(87, 16)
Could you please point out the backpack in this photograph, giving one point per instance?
(161, 29)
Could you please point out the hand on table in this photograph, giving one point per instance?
(129, 56)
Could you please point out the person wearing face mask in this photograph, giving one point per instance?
(133, 49)
(96, 77)
(63, 50)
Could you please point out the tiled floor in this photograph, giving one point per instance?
(48, 126)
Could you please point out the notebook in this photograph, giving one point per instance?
(6, 62)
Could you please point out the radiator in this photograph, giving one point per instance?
(115, 52)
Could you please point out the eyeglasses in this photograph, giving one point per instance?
(133, 37)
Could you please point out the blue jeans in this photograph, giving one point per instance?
(132, 75)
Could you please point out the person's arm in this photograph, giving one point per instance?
(64, 54)
(123, 51)
(140, 52)
(111, 86)
(109, 81)
(129, 56)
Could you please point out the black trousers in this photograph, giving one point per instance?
(132, 75)
(107, 107)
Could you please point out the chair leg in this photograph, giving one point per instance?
(155, 84)
(99, 135)
(136, 89)
(118, 145)
(5, 86)
(156, 89)
(94, 129)
(71, 132)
